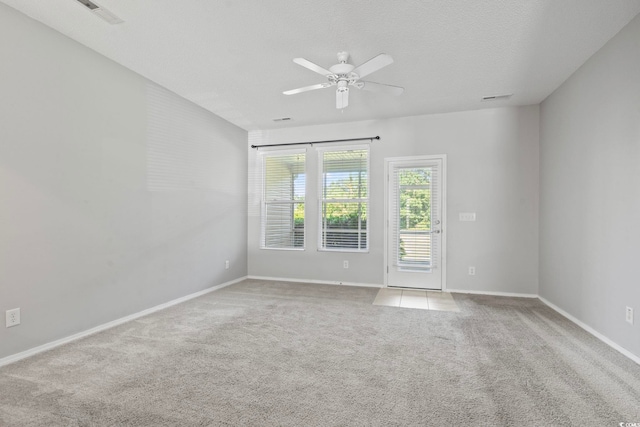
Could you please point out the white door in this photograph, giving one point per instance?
(415, 231)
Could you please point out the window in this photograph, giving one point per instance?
(284, 180)
(413, 198)
(344, 207)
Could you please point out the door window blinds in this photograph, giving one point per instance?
(414, 216)
(344, 206)
(284, 183)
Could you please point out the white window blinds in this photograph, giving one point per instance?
(344, 203)
(284, 180)
(415, 216)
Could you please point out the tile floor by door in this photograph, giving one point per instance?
(413, 298)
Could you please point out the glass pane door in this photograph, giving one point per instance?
(414, 234)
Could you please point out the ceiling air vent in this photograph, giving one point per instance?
(101, 12)
(497, 97)
(283, 119)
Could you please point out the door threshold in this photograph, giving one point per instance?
(414, 289)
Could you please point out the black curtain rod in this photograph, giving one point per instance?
(371, 138)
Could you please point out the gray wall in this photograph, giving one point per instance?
(492, 170)
(115, 195)
(590, 191)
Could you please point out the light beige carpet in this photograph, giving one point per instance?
(267, 353)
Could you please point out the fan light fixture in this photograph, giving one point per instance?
(342, 75)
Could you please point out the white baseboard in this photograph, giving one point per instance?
(33, 351)
(592, 331)
(320, 282)
(584, 326)
(495, 294)
(27, 353)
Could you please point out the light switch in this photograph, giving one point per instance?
(467, 216)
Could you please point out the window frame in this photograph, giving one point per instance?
(321, 200)
(263, 198)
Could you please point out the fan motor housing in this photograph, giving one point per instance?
(341, 69)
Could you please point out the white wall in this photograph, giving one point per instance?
(115, 195)
(492, 170)
(590, 191)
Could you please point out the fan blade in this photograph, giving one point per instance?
(372, 65)
(313, 67)
(306, 88)
(342, 99)
(379, 87)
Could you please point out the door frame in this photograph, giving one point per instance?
(443, 248)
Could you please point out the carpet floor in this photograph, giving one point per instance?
(291, 354)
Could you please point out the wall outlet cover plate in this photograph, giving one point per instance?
(13, 317)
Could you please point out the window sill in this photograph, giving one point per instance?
(357, 251)
(281, 249)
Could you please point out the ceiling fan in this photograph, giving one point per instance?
(344, 75)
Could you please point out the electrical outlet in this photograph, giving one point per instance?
(13, 317)
(629, 315)
(226, 265)
(472, 271)
(345, 264)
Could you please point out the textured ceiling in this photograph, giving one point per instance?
(234, 58)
